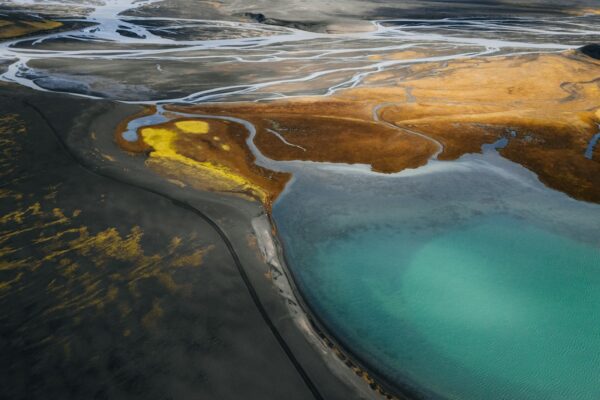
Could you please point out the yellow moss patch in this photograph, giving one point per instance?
(193, 126)
(163, 141)
(226, 147)
(192, 260)
(89, 269)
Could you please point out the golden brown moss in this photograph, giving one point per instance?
(547, 105)
(137, 146)
(11, 125)
(15, 28)
(210, 155)
(328, 131)
(87, 270)
(550, 103)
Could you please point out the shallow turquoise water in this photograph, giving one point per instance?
(492, 305)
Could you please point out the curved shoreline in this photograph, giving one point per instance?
(275, 257)
(318, 328)
(336, 359)
(222, 234)
(368, 373)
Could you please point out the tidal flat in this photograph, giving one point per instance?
(218, 199)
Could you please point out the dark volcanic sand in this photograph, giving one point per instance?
(591, 50)
(89, 311)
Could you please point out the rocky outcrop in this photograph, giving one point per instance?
(591, 50)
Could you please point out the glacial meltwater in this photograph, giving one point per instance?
(462, 280)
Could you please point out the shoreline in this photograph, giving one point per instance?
(304, 318)
(335, 358)
(337, 353)
(339, 349)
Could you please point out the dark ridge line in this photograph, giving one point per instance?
(186, 206)
(591, 50)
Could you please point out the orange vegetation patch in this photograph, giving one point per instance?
(206, 154)
(329, 132)
(548, 106)
(340, 140)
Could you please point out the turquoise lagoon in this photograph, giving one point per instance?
(464, 280)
